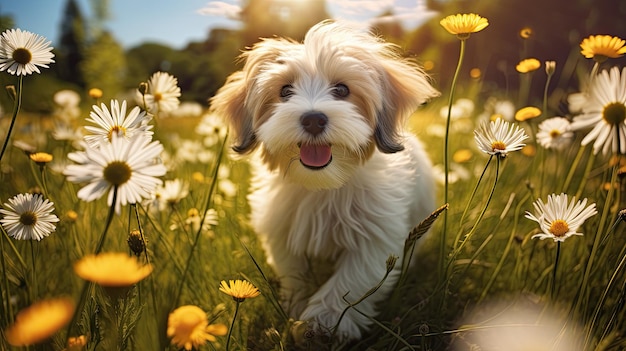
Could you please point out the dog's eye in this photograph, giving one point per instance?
(286, 91)
(341, 91)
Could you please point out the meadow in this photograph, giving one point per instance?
(117, 215)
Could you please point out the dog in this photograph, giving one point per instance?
(338, 178)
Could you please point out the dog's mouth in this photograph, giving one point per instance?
(315, 156)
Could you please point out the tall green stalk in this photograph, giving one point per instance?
(446, 160)
(16, 109)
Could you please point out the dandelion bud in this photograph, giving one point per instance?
(136, 242)
(273, 336)
(302, 332)
(11, 91)
(550, 67)
(143, 88)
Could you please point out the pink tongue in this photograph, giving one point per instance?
(315, 155)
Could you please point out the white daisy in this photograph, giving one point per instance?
(213, 128)
(22, 52)
(170, 193)
(559, 219)
(116, 122)
(131, 165)
(162, 95)
(499, 137)
(28, 217)
(605, 112)
(555, 133)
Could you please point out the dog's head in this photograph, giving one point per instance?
(318, 109)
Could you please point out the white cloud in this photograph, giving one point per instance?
(221, 9)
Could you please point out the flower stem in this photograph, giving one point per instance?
(16, 109)
(232, 325)
(456, 240)
(554, 271)
(108, 223)
(446, 160)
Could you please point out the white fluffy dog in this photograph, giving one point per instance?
(339, 180)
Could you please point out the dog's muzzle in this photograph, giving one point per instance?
(314, 155)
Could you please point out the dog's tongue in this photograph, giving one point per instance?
(315, 156)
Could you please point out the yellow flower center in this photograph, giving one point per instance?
(158, 97)
(28, 218)
(118, 130)
(117, 172)
(555, 133)
(614, 113)
(498, 146)
(559, 227)
(22, 56)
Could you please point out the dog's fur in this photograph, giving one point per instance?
(345, 185)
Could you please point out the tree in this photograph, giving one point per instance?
(71, 45)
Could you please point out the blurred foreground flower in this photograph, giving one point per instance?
(239, 289)
(499, 138)
(528, 65)
(130, 165)
(602, 47)
(162, 93)
(28, 217)
(21, 52)
(116, 122)
(189, 327)
(555, 133)
(39, 321)
(559, 219)
(462, 25)
(605, 112)
(111, 269)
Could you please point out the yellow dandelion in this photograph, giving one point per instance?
(189, 327)
(526, 32)
(463, 155)
(526, 113)
(462, 25)
(111, 269)
(476, 73)
(40, 158)
(95, 93)
(76, 343)
(528, 65)
(71, 216)
(239, 289)
(601, 47)
(39, 321)
(529, 150)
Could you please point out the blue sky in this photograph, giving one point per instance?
(177, 22)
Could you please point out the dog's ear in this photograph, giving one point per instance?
(238, 101)
(405, 88)
(230, 103)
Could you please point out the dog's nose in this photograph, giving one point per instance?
(314, 122)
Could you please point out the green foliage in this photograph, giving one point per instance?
(104, 66)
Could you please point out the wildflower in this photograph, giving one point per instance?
(76, 343)
(111, 269)
(550, 67)
(28, 217)
(39, 321)
(162, 93)
(526, 113)
(499, 137)
(554, 133)
(462, 25)
(559, 219)
(115, 122)
(528, 65)
(605, 111)
(189, 327)
(41, 158)
(170, 193)
(239, 290)
(463, 155)
(95, 93)
(213, 129)
(136, 242)
(526, 32)
(128, 165)
(21, 52)
(66, 98)
(602, 47)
